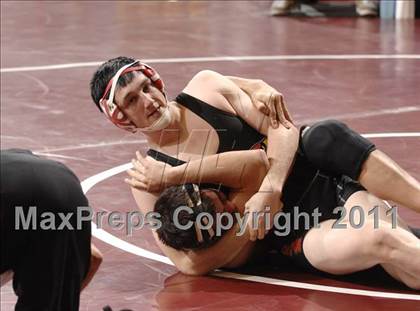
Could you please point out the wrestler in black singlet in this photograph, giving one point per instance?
(306, 186)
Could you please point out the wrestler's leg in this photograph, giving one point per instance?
(386, 218)
(343, 251)
(335, 148)
(387, 180)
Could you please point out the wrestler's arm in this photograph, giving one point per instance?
(96, 259)
(234, 169)
(282, 147)
(282, 142)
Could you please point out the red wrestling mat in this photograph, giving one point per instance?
(352, 69)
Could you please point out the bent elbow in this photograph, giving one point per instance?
(192, 268)
(205, 75)
(193, 272)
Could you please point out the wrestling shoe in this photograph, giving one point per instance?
(282, 7)
(366, 8)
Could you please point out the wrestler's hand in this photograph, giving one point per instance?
(264, 205)
(271, 103)
(147, 174)
(95, 261)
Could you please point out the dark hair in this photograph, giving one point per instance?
(104, 73)
(182, 239)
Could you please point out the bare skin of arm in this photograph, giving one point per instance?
(95, 261)
(233, 169)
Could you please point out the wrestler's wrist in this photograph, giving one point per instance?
(272, 185)
(276, 177)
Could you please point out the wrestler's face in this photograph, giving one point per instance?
(221, 203)
(139, 100)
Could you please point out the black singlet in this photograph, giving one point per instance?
(233, 132)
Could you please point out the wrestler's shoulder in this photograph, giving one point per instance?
(211, 79)
(210, 87)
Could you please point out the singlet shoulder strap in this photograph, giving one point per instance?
(159, 156)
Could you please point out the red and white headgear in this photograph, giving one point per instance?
(111, 110)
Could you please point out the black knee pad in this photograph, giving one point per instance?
(336, 149)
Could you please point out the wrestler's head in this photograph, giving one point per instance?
(131, 94)
(184, 204)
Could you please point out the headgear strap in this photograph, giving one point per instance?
(196, 191)
(111, 110)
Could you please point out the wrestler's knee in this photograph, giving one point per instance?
(379, 241)
(319, 141)
(333, 147)
(369, 241)
(343, 250)
(413, 283)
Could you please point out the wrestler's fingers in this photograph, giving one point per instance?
(252, 231)
(286, 111)
(273, 110)
(138, 166)
(261, 228)
(252, 235)
(281, 113)
(136, 184)
(137, 176)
